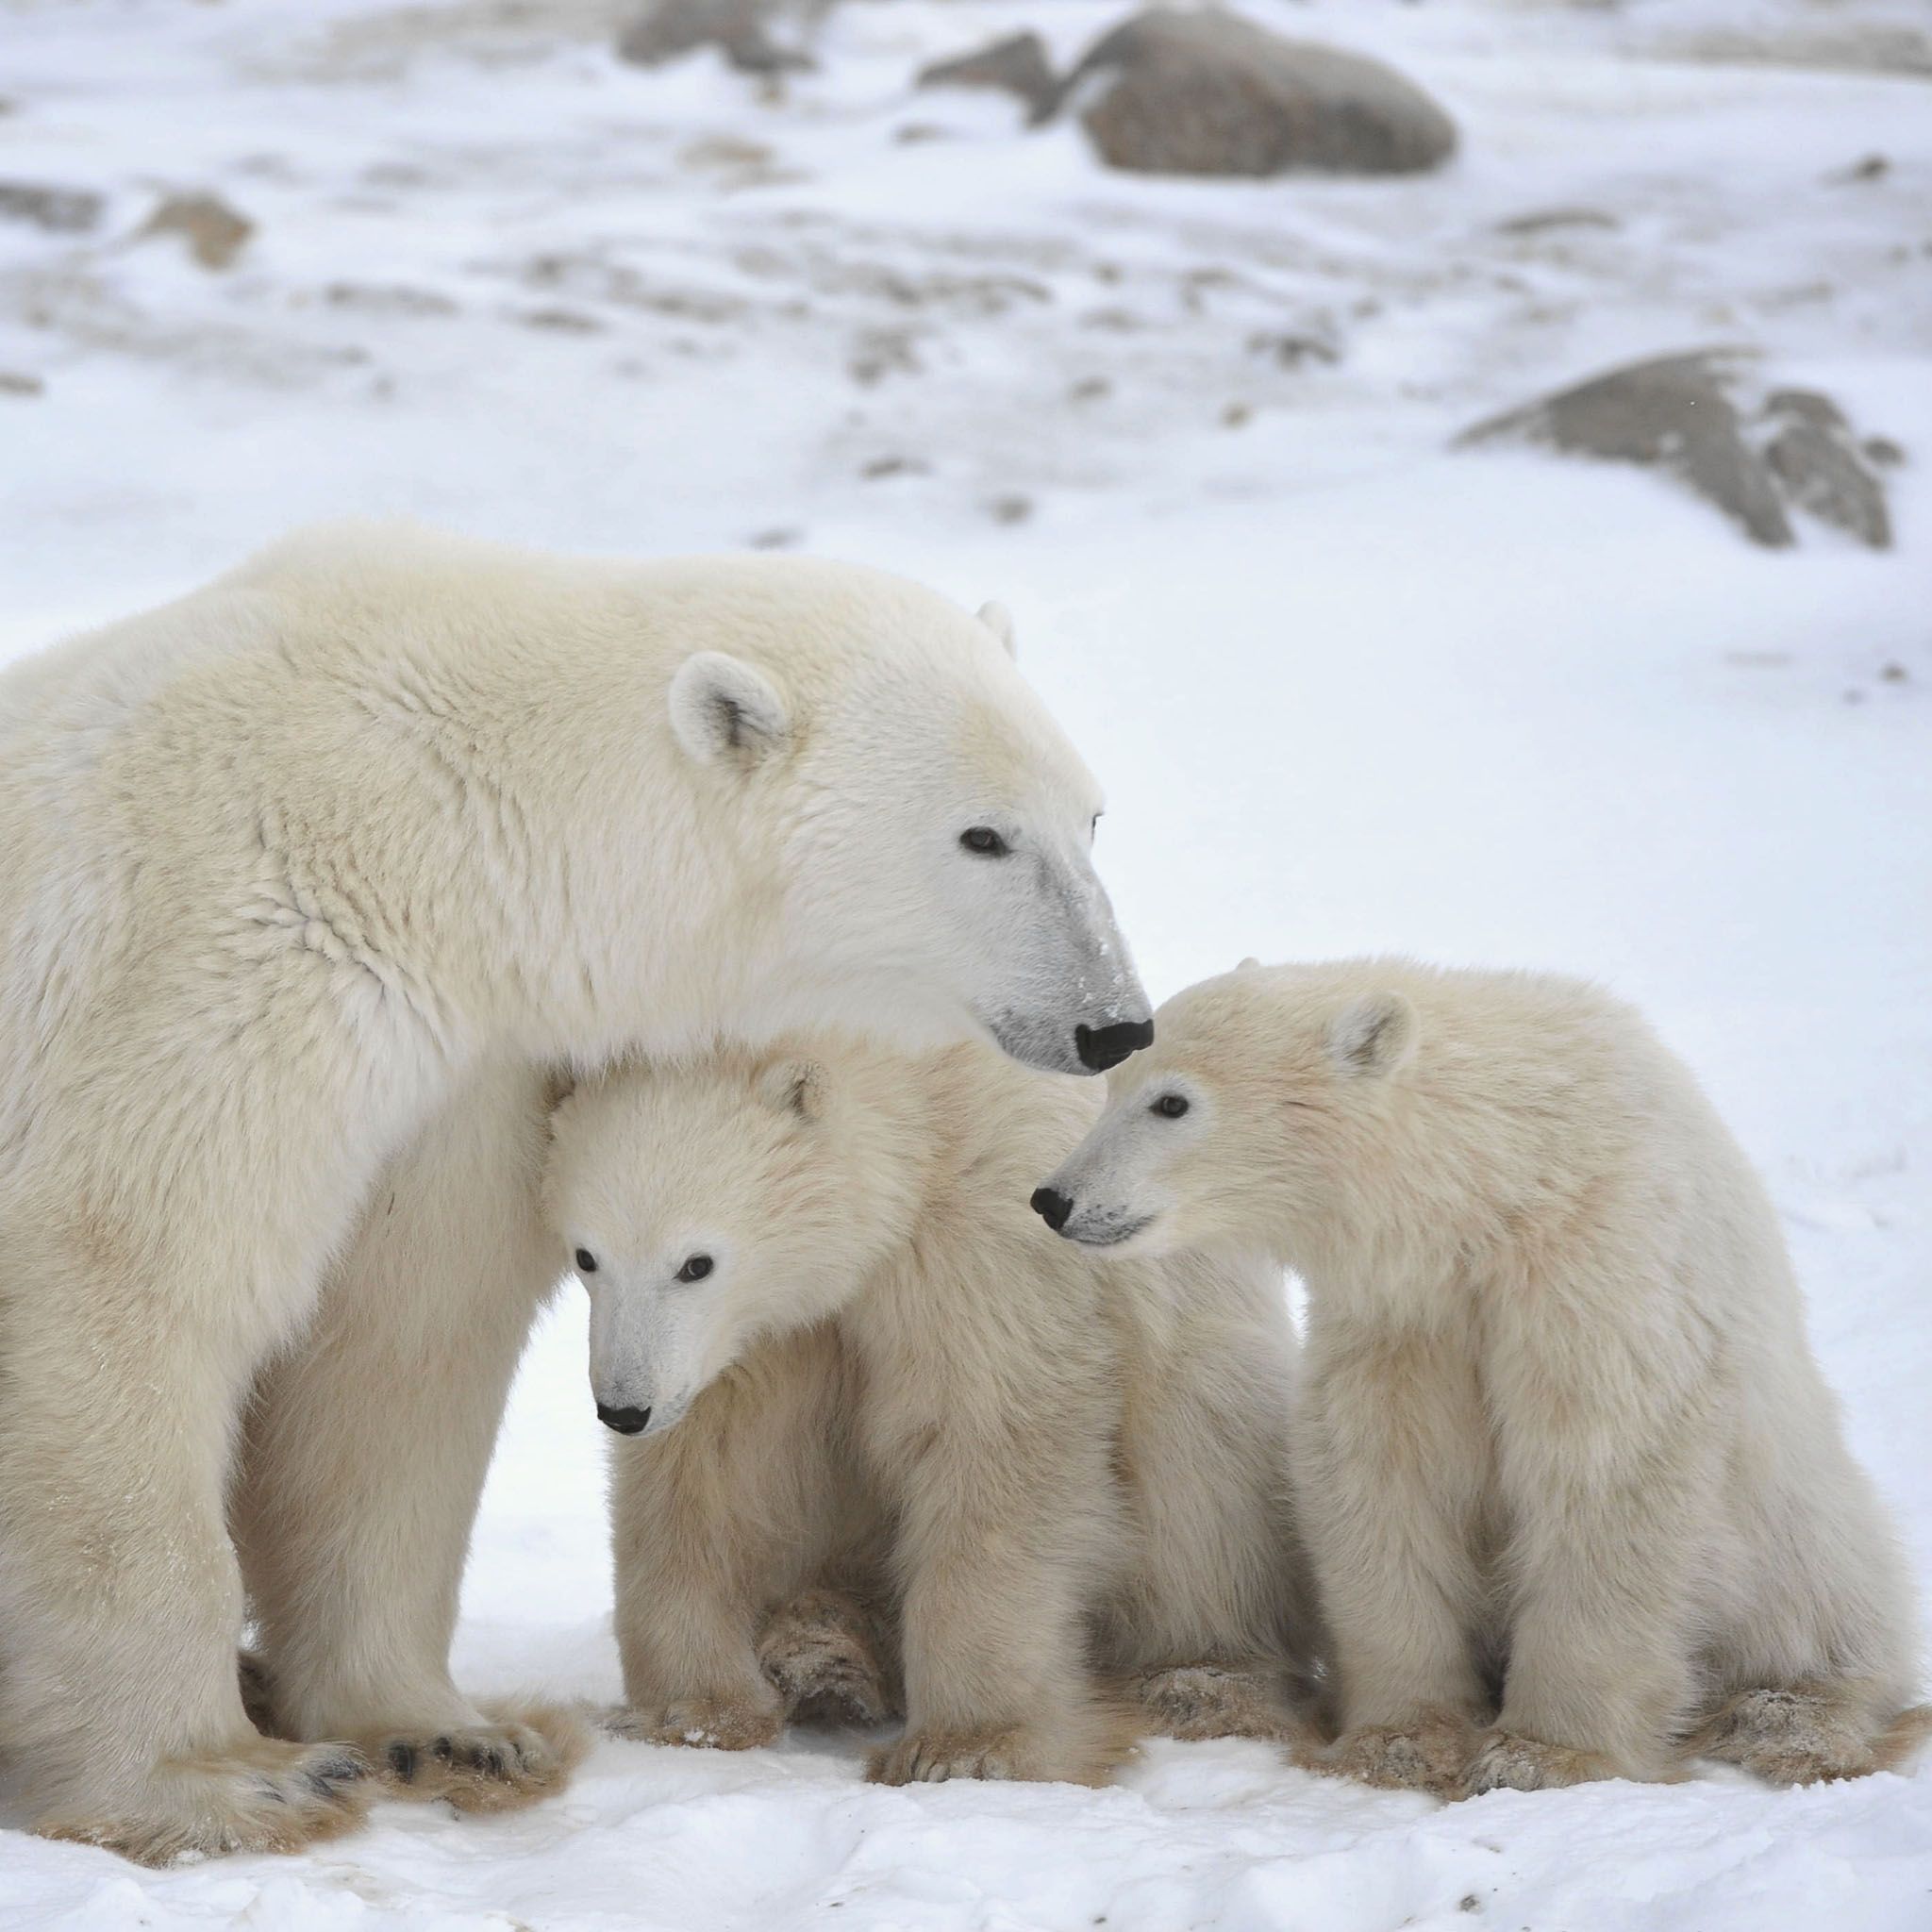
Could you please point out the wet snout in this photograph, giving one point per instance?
(1102, 1047)
(627, 1422)
(1052, 1206)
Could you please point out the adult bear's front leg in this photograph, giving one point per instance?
(120, 1602)
(366, 1451)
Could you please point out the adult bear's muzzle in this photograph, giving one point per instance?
(627, 1422)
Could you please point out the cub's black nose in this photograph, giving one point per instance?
(1110, 1046)
(1052, 1208)
(627, 1422)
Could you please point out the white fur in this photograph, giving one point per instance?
(290, 863)
(1564, 1439)
(892, 1385)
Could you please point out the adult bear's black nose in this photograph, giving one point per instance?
(627, 1422)
(1052, 1208)
(1108, 1046)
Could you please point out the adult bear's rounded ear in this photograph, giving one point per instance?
(725, 710)
(999, 620)
(1372, 1037)
(795, 1087)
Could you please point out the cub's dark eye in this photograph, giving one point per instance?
(1170, 1107)
(696, 1268)
(984, 841)
(587, 1262)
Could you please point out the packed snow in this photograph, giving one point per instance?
(1348, 690)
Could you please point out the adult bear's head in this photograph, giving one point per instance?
(922, 823)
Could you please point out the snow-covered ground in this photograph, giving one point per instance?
(1348, 691)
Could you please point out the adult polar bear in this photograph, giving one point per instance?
(296, 869)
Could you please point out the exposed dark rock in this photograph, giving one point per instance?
(1692, 415)
(59, 210)
(1017, 65)
(740, 28)
(1168, 93)
(1822, 471)
(214, 232)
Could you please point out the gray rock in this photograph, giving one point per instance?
(1673, 414)
(1692, 416)
(1822, 471)
(59, 210)
(214, 232)
(740, 28)
(1017, 65)
(1169, 92)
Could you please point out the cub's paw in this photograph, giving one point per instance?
(263, 1797)
(1431, 1754)
(712, 1724)
(933, 1755)
(1195, 1701)
(1795, 1737)
(511, 1756)
(1508, 1761)
(819, 1653)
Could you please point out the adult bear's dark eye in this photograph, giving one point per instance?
(984, 841)
(696, 1268)
(1170, 1105)
(587, 1262)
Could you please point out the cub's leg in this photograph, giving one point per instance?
(827, 1653)
(726, 1512)
(1393, 1474)
(365, 1452)
(120, 1600)
(993, 1444)
(1608, 1458)
(1212, 1619)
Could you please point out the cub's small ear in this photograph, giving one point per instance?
(724, 709)
(1248, 964)
(999, 620)
(795, 1087)
(1372, 1037)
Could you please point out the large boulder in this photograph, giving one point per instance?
(1698, 418)
(1169, 92)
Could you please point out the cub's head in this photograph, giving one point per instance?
(934, 825)
(1254, 1113)
(705, 1205)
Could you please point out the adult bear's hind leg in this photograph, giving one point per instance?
(365, 1453)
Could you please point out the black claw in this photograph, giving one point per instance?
(402, 1761)
(443, 1749)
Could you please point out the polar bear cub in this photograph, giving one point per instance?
(869, 1395)
(1576, 1495)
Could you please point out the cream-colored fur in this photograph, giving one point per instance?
(895, 1403)
(294, 868)
(1578, 1497)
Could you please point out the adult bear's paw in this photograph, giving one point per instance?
(820, 1652)
(264, 1795)
(1509, 1762)
(713, 1723)
(1431, 1754)
(1195, 1701)
(513, 1756)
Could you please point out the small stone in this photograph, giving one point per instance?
(1090, 389)
(15, 382)
(740, 28)
(214, 232)
(1237, 415)
(1870, 168)
(780, 538)
(1017, 65)
(1013, 509)
(1894, 673)
(1883, 451)
(58, 210)
(881, 467)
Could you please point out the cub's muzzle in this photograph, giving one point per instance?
(627, 1422)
